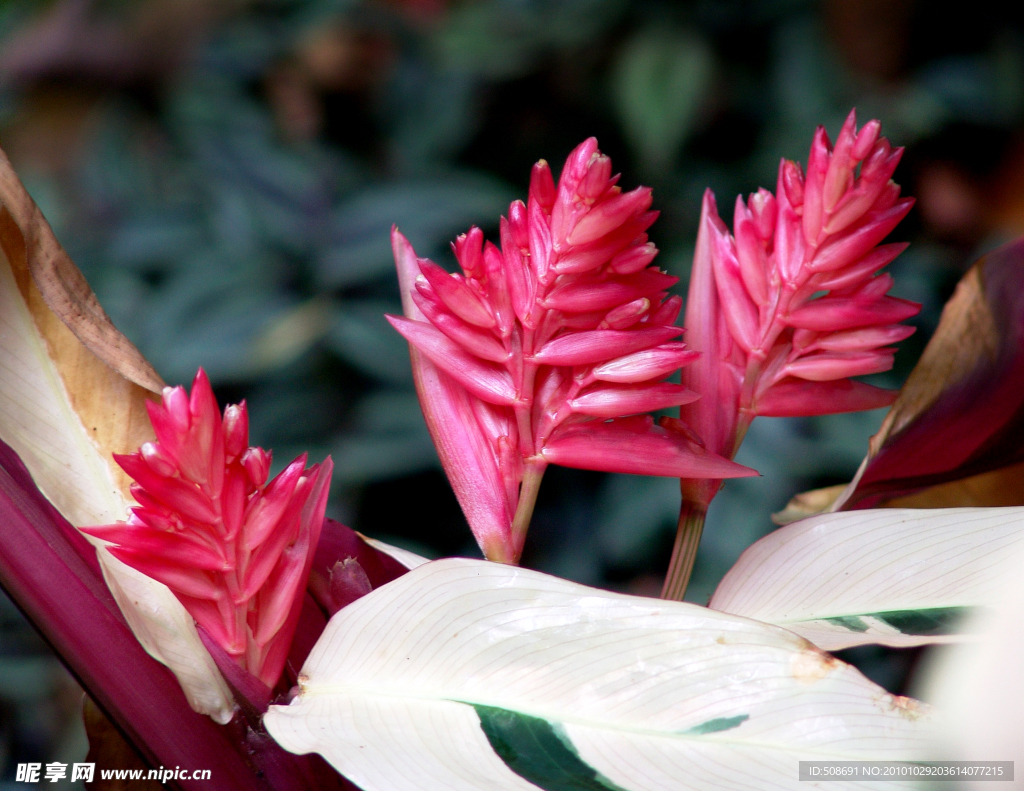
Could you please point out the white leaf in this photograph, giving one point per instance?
(898, 577)
(637, 694)
(408, 559)
(39, 422)
(980, 686)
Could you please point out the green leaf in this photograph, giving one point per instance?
(926, 621)
(388, 439)
(659, 81)
(363, 338)
(429, 212)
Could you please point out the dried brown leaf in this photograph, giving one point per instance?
(73, 392)
(807, 504)
(955, 435)
(106, 378)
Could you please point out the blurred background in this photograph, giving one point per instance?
(225, 173)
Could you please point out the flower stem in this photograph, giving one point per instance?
(684, 553)
(532, 475)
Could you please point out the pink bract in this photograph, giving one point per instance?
(234, 549)
(547, 349)
(790, 305)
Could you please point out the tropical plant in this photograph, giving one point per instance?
(791, 306)
(550, 350)
(462, 673)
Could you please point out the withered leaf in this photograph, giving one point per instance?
(29, 243)
(955, 435)
(72, 393)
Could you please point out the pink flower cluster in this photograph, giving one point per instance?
(790, 305)
(550, 349)
(234, 549)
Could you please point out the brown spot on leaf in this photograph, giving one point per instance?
(908, 708)
(812, 665)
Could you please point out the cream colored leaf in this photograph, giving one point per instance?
(408, 559)
(980, 686)
(807, 504)
(897, 577)
(637, 694)
(64, 411)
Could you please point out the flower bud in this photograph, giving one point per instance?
(866, 138)
(633, 259)
(468, 249)
(518, 225)
(256, 462)
(176, 404)
(793, 183)
(236, 430)
(542, 185)
(765, 210)
(158, 460)
(627, 315)
(596, 180)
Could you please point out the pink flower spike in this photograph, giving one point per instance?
(583, 327)
(464, 447)
(769, 281)
(788, 307)
(234, 551)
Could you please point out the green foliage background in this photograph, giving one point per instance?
(225, 172)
